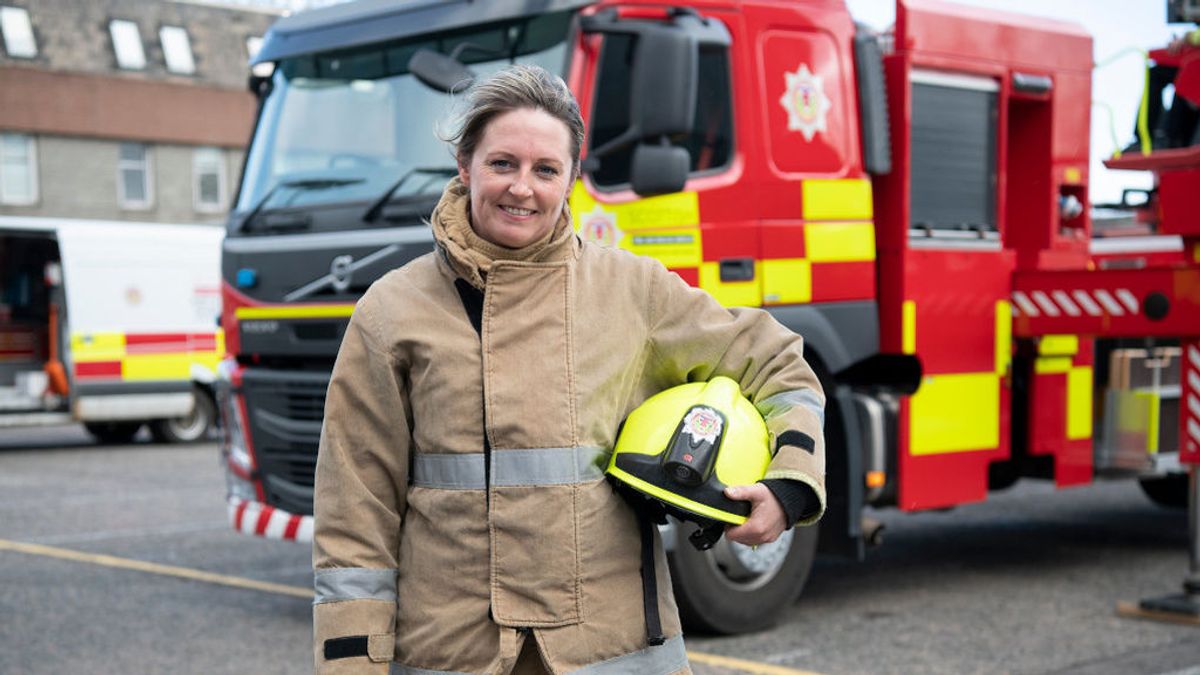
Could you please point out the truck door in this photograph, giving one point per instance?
(706, 233)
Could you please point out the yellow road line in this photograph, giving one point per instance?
(742, 665)
(155, 568)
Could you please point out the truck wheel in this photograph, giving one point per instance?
(189, 428)
(113, 433)
(1170, 490)
(735, 589)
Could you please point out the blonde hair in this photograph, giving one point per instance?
(517, 86)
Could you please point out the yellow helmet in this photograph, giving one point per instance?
(685, 445)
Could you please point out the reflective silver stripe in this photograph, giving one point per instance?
(510, 468)
(786, 400)
(448, 471)
(354, 583)
(398, 669)
(547, 466)
(664, 659)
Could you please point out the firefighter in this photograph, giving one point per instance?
(462, 520)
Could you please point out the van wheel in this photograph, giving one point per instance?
(189, 428)
(1170, 491)
(113, 433)
(736, 589)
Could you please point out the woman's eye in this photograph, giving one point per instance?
(501, 163)
(547, 171)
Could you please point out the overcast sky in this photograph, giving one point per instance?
(1115, 25)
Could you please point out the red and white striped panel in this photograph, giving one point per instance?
(249, 517)
(1077, 302)
(1190, 410)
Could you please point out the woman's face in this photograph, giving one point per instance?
(518, 176)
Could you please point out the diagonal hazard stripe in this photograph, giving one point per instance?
(727, 662)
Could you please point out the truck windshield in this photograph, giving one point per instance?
(361, 119)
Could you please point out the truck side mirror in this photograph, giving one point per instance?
(664, 81)
(658, 169)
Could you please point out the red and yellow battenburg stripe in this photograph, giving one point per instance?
(831, 255)
(827, 255)
(133, 357)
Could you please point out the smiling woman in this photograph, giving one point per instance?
(519, 177)
(462, 521)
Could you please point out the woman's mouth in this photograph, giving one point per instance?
(512, 210)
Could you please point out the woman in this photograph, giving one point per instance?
(462, 521)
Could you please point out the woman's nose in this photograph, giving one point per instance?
(520, 187)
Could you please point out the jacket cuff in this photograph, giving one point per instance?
(354, 636)
(797, 499)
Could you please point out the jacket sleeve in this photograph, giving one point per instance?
(358, 503)
(694, 338)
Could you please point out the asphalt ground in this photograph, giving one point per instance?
(120, 560)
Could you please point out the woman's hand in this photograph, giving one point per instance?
(767, 520)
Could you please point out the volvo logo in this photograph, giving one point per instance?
(342, 272)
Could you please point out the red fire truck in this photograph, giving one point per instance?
(915, 204)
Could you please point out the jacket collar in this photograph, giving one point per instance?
(471, 257)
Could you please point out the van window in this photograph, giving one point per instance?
(710, 145)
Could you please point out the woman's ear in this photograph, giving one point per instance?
(464, 173)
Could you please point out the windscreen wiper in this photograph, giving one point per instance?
(372, 213)
(297, 184)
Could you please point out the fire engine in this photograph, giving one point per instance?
(109, 324)
(914, 204)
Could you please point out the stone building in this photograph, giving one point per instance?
(125, 109)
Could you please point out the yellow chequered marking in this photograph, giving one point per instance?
(90, 347)
(295, 312)
(1003, 336)
(665, 227)
(1046, 365)
(675, 248)
(676, 209)
(836, 199)
(955, 412)
(786, 280)
(908, 329)
(731, 293)
(1058, 345)
(1079, 403)
(839, 242)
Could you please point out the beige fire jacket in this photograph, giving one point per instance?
(460, 502)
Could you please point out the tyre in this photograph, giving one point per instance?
(113, 433)
(1170, 490)
(736, 589)
(189, 428)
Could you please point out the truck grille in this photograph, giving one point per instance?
(285, 409)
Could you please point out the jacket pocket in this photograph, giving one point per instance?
(535, 566)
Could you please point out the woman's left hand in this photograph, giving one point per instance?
(767, 520)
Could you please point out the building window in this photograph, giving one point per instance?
(135, 187)
(18, 34)
(208, 180)
(127, 44)
(177, 50)
(18, 169)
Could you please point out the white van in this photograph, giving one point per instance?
(111, 324)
